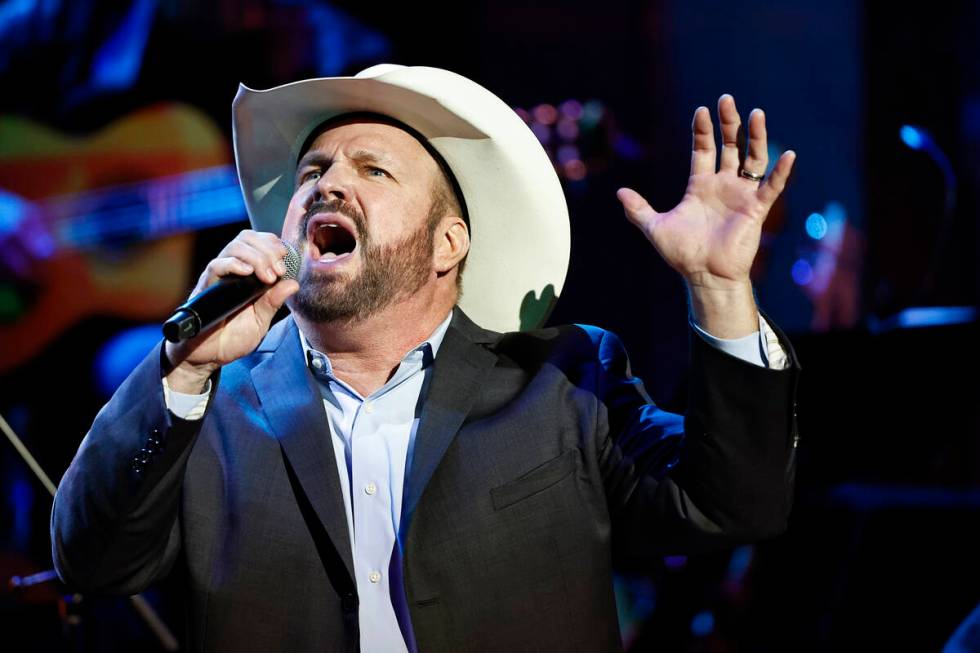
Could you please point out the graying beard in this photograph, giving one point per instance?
(390, 273)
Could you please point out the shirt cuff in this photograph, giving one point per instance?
(761, 348)
(185, 406)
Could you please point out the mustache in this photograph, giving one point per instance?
(335, 205)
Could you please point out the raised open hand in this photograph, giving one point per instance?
(711, 237)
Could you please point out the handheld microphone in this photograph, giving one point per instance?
(214, 304)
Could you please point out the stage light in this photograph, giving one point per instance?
(703, 623)
(568, 129)
(575, 170)
(914, 137)
(571, 109)
(802, 272)
(546, 114)
(121, 354)
(592, 113)
(567, 153)
(542, 131)
(816, 226)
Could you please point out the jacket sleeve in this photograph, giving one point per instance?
(114, 522)
(721, 475)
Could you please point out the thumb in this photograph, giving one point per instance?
(637, 209)
(281, 292)
(274, 298)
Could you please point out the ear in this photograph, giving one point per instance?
(452, 243)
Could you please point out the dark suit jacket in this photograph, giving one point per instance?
(540, 465)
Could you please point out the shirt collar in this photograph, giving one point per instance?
(428, 346)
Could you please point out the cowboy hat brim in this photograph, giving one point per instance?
(519, 227)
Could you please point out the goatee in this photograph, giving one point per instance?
(388, 272)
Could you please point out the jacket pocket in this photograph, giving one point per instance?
(540, 478)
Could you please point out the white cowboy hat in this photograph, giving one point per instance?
(518, 217)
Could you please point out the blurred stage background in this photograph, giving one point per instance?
(117, 185)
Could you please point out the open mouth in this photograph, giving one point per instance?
(330, 240)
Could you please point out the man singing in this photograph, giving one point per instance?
(397, 465)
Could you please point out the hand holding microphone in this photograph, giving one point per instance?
(231, 308)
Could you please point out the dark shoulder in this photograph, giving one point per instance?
(570, 347)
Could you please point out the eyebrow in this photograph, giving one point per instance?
(372, 157)
(362, 156)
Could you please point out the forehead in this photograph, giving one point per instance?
(368, 138)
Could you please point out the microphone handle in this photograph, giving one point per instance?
(212, 305)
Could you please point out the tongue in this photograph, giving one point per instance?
(334, 240)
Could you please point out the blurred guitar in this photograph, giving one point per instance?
(101, 225)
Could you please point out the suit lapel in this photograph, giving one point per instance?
(294, 407)
(459, 368)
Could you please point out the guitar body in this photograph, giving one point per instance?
(134, 280)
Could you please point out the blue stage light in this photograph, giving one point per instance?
(816, 226)
(703, 623)
(121, 354)
(914, 137)
(802, 272)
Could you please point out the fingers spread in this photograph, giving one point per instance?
(637, 209)
(730, 124)
(703, 155)
(757, 158)
(774, 185)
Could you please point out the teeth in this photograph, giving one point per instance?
(330, 256)
(325, 226)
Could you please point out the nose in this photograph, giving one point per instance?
(334, 183)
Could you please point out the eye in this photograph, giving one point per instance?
(311, 175)
(372, 170)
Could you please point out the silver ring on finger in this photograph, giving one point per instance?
(751, 175)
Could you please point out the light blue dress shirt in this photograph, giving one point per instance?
(751, 348)
(373, 439)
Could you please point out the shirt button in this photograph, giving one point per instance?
(370, 488)
(317, 363)
(374, 576)
(368, 407)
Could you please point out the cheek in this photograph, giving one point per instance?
(404, 218)
(293, 220)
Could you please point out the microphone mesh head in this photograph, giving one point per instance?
(291, 260)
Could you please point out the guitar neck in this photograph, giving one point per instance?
(146, 210)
